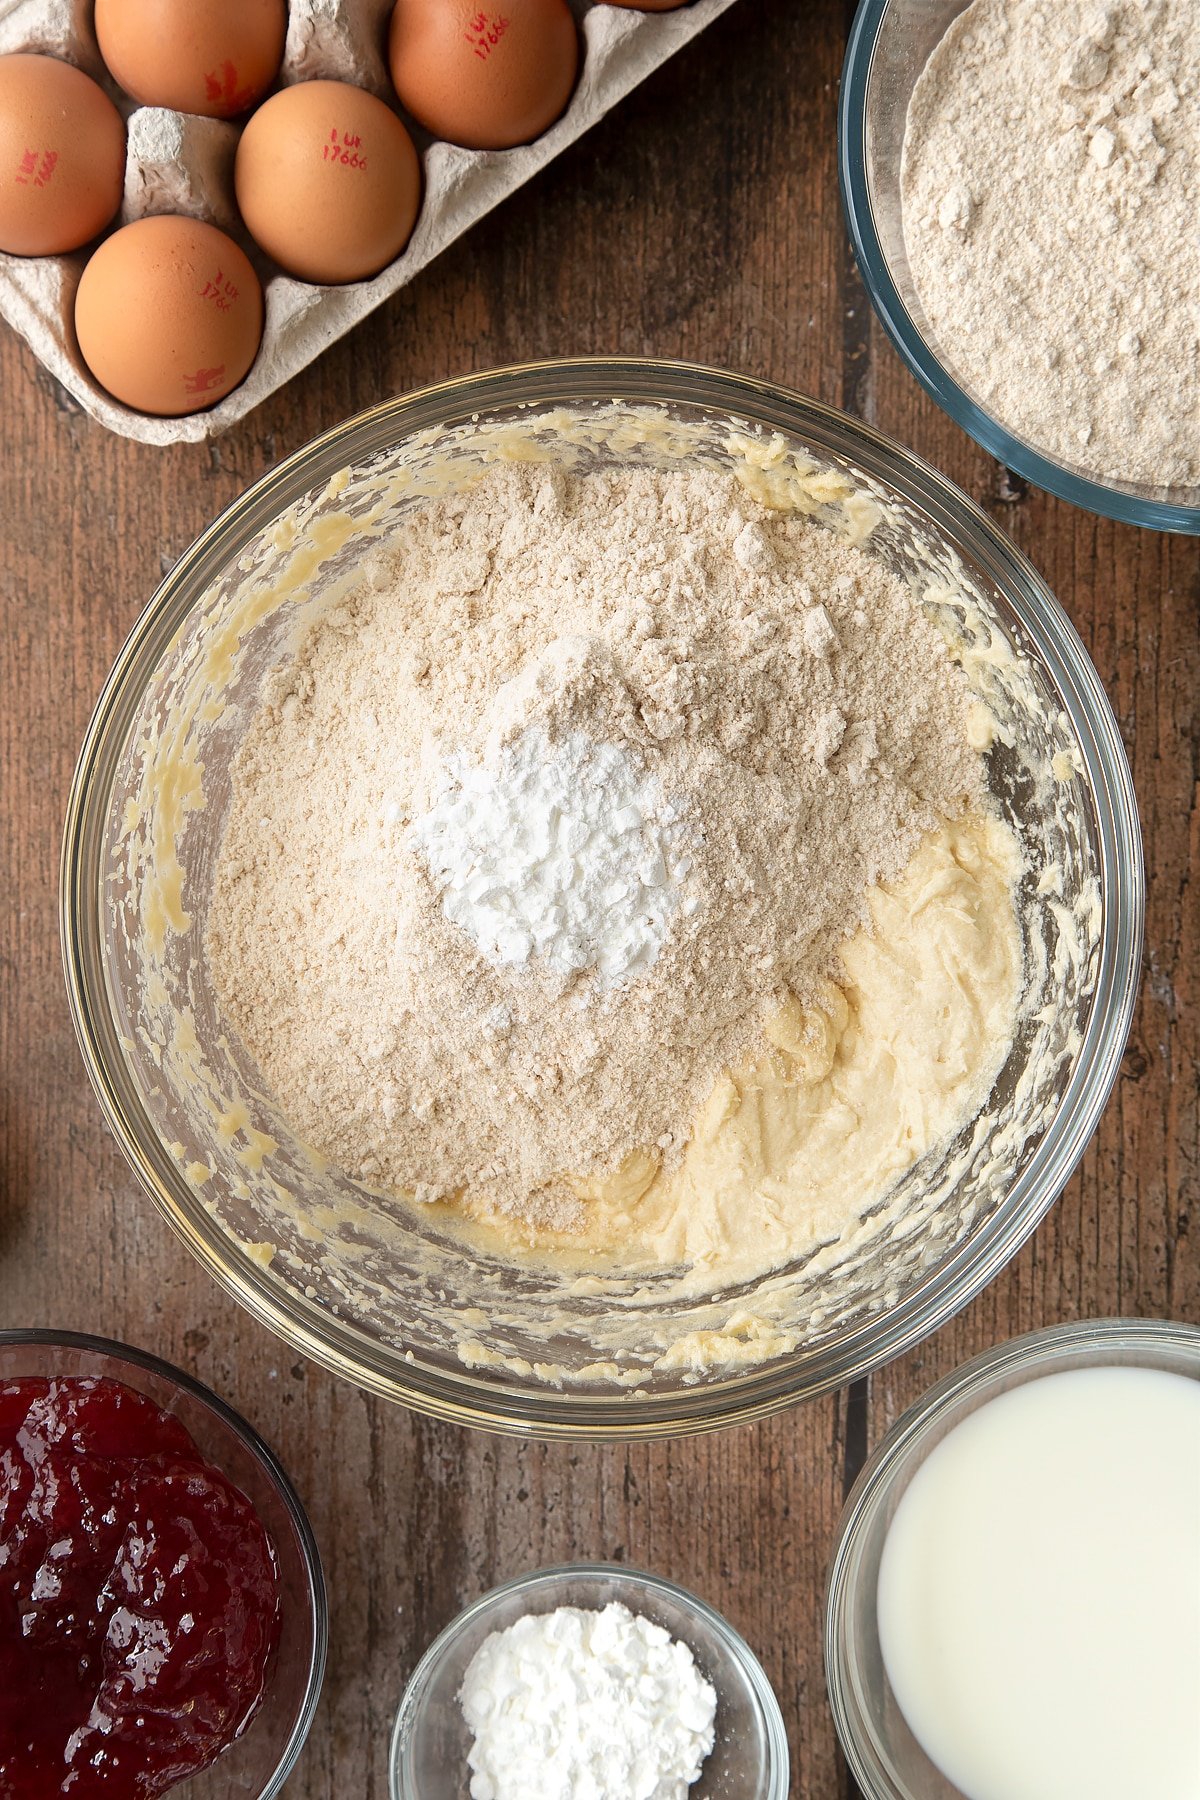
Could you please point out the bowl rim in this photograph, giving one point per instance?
(548, 1412)
(1031, 1355)
(133, 1358)
(756, 1676)
(918, 354)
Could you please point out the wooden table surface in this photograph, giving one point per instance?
(700, 220)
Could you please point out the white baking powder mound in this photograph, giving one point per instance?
(580, 1705)
(564, 853)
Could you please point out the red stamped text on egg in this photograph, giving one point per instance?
(222, 89)
(219, 291)
(204, 380)
(484, 32)
(345, 149)
(36, 167)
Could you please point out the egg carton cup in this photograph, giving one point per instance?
(179, 163)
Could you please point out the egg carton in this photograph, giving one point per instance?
(178, 163)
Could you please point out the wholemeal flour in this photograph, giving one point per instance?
(1051, 192)
(782, 727)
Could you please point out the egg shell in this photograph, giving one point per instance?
(169, 315)
(328, 182)
(486, 77)
(62, 156)
(213, 57)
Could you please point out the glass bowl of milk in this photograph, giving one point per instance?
(1014, 1601)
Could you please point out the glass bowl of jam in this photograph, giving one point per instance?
(163, 1619)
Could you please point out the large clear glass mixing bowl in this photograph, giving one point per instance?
(382, 1292)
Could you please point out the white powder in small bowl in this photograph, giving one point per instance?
(586, 1705)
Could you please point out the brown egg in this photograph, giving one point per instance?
(169, 315)
(328, 181)
(62, 156)
(488, 76)
(215, 57)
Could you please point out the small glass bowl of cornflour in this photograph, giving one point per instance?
(432, 1740)
(1013, 1609)
(1055, 385)
(394, 1295)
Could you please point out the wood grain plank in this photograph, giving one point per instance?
(701, 220)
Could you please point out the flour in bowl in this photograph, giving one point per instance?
(1051, 192)
(567, 817)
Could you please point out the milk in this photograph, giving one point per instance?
(1039, 1592)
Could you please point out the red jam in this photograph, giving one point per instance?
(139, 1596)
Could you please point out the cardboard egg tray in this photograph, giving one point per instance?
(178, 163)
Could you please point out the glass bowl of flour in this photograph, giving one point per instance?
(476, 1692)
(1019, 186)
(738, 1306)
